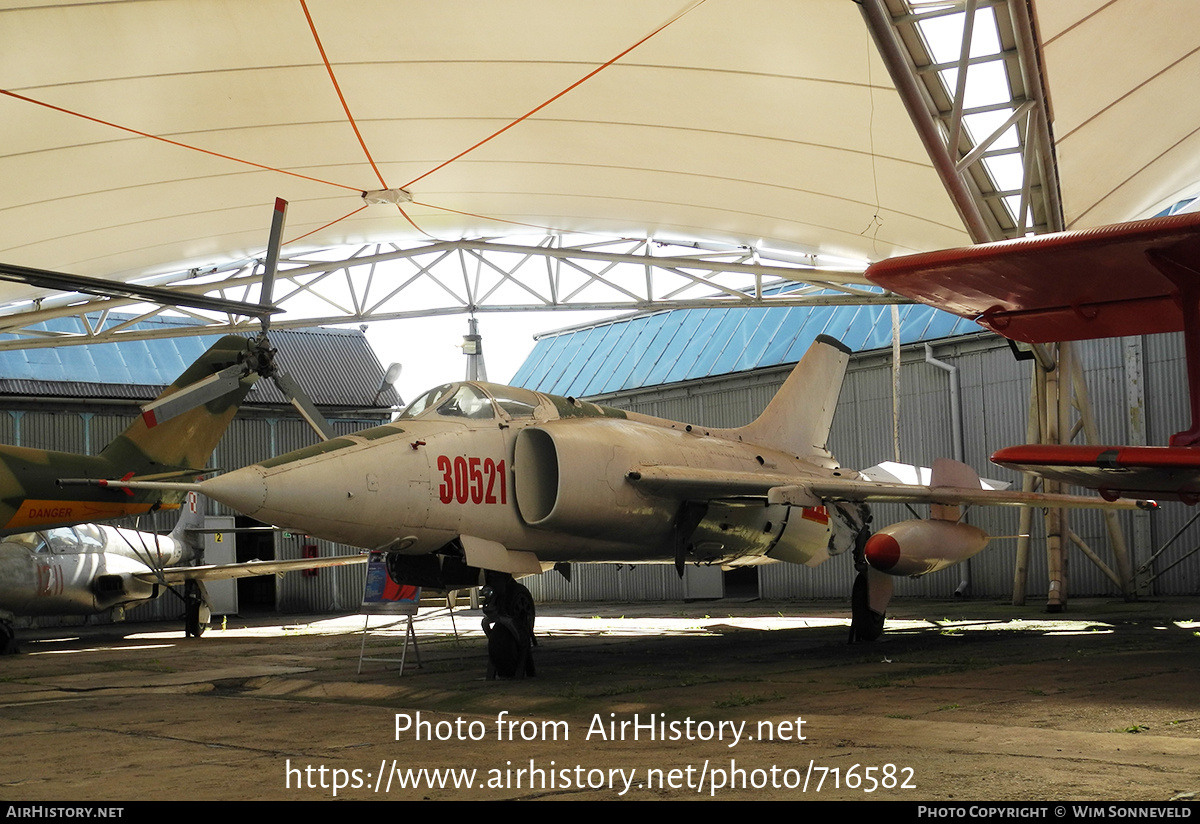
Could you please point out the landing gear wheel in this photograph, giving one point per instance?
(198, 615)
(8, 639)
(508, 618)
(194, 627)
(521, 609)
(865, 623)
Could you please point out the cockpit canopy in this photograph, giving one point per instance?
(80, 538)
(476, 401)
(488, 401)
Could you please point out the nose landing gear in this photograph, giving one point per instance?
(869, 597)
(508, 618)
(8, 638)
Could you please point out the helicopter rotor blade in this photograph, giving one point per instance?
(193, 395)
(271, 265)
(304, 405)
(258, 357)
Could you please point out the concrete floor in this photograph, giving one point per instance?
(959, 701)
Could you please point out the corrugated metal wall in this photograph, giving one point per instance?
(608, 582)
(995, 392)
(995, 398)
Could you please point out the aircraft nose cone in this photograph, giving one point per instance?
(882, 551)
(244, 489)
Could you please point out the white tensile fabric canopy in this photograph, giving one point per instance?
(146, 137)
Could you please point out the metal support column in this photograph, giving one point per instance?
(1057, 430)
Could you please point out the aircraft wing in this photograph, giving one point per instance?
(1105, 282)
(1158, 471)
(694, 483)
(221, 572)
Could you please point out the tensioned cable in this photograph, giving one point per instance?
(341, 98)
(358, 134)
(326, 226)
(171, 142)
(494, 219)
(570, 88)
(312, 27)
(262, 166)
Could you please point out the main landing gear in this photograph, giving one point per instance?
(865, 623)
(197, 611)
(508, 617)
(8, 638)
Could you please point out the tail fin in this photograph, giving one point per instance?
(798, 418)
(191, 517)
(952, 474)
(187, 440)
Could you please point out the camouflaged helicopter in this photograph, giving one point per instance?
(32, 496)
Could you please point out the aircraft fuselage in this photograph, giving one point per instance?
(82, 570)
(551, 480)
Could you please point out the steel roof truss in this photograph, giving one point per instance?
(942, 117)
(444, 278)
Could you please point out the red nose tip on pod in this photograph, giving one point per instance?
(882, 551)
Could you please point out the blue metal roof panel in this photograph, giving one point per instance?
(785, 335)
(335, 366)
(683, 348)
(817, 321)
(559, 371)
(879, 333)
(685, 344)
(597, 356)
(540, 361)
(740, 340)
(712, 347)
(610, 359)
(834, 320)
(646, 344)
(139, 363)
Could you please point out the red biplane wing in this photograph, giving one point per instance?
(1162, 472)
(1106, 282)
(1130, 279)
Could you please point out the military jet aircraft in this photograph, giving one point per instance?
(31, 496)
(89, 569)
(477, 483)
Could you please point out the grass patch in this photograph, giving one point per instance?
(738, 699)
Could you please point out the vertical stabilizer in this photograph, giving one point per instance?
(798, 418)
(191, 518)
(948, 473)
(187, 440)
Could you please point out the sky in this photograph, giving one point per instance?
(430, 349)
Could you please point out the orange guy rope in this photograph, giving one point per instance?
(537, 109)
(167, 140)
(326, 226)
(337, 88)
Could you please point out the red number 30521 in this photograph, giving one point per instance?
(478, 480)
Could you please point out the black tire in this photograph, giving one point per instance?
(193, 626)
(520, 607)
(865, 623)
(504, 650)
(8, 640)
